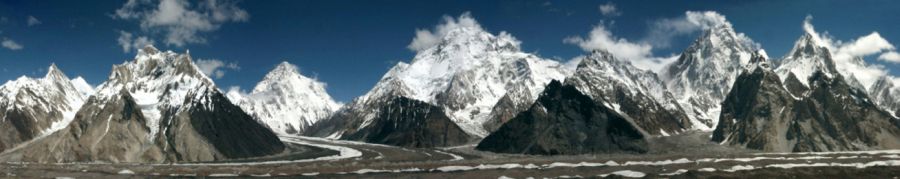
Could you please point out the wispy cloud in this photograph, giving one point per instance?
(129, 41)
(215, 68)
(892, 57)
(10, 44)
(181, 22)
(33, 21)
(428, 38)
(609, 10)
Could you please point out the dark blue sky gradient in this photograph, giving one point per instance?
(351, 44)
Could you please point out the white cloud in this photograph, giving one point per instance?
(181, 22)
(639, 54)
(235, 94)
(32, 21)
(127, 42)
(10, 44)
(892, 56)
(601, 38)
(866, 45)
(215, 68)
(609, 10)
(428, 38)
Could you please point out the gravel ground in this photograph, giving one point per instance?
(687, 155)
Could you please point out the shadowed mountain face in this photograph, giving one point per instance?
(157, 108)
(565, 121)
(411, 123)
(760, 113)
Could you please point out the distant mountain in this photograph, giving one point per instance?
(156, 108)
(565, 121)
(473, 76)
(287, 101)
(702, 77)
(83, 87)
(35, 107)
(886, 94)
(830, 115)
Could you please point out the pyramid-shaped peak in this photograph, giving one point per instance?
(286, 66)
(53, 72)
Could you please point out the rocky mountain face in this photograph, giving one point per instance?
(35, 107)
(286, 101)
(630, 91)
(830, 115)
(886, 94)
(473, 76)
(156, 108)
(412, 123)
(565, 121)
(702, 77)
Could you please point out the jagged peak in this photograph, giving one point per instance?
(808, 45)
(53, 72)
(284, 68)
(759, 60)
(722, 34)
(148, 49)
(598, 55)
(760, 57)
(468, 36)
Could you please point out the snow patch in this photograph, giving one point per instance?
(677, 172)
(626, 173)
(126, 172)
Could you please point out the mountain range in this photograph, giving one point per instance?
(472, 87)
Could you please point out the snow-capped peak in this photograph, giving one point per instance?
(702, 77)
(808, 56)
(52, 93)
(82, 86)
(466, 73)
(759, 61)
(54, 73)
(158, 81)
(287, 101)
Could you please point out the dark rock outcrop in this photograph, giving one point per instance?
(410, 123)
(565, 121)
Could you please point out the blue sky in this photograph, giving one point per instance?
(351, 44)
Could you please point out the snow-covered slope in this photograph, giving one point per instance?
(701, 78)
(287, 101)
(157, 108)
(82, 86)
(886, 94)
(636, 93)
(466, 74)
(35, 107)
